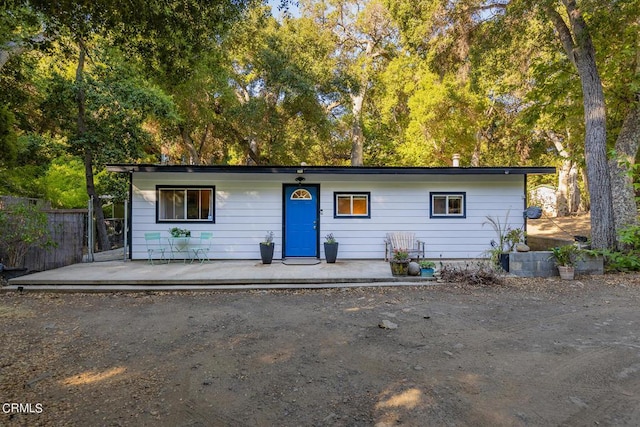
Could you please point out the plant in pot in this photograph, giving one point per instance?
(266, 248)
(514, 237)
(23, 226)
(330, 248)
(400, 262)
(179, 232)
(566, 258)
(507, 239)
(427, 268)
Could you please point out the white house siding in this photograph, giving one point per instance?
(247, 206)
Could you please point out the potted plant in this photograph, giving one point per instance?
(266, 248)
(179, 232)
(179, 241)
(508, 238)
(566, 258)
(330, 248)
(513, 237)
(22, 226)
(400, 262)
(427, 268)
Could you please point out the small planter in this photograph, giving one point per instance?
(503, 259)
(399, 268)
(331, 252)
(266, 252)
(426, 272)
(566, 273)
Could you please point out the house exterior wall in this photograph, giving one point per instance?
(247, 206)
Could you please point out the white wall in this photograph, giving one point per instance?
(247, 206)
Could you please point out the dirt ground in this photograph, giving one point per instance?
(532, 353)
(560, 227)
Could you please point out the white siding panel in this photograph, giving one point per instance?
(248, 206)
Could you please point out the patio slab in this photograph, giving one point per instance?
(140, 275)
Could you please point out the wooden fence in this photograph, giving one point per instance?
(68, 230)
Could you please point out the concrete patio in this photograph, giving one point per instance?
(120, 275)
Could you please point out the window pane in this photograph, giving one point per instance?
(205, 204)
(360, 205)
(439, 205)
(178, 204)
(193, 204)
(344, 205)
(455, 205)
(171, 204)
(166, 204)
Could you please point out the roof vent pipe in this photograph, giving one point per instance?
(456, 160)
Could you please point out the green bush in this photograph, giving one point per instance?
(22, 226)
(628, 258)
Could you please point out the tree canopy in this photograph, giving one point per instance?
(373, 82)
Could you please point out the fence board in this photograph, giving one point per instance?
(67, 228)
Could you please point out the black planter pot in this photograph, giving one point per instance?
(266, 253)
(504, 261)
(331, 252)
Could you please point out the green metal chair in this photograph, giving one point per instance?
(154, 246)
(201, 251)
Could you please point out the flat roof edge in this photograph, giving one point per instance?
(337, 170)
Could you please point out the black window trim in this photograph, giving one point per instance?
(351, 193)
(463, 194)
(186, 187)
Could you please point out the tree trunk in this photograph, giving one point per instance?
(574, 189)
(568, 192)
(357, 135)
(190, 144)
(103, 238)
(621, 165)
(580, 50)
(562, 193)
(10, 50)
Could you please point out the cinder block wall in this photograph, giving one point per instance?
(541, 264)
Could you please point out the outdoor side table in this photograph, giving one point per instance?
(179, 245)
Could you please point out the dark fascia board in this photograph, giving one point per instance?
(335, 170)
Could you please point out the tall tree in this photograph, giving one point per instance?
(167, 33)
(575, 36)
(364, 42)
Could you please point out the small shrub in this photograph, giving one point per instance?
(480, 274)
(620, 261)
(22, 226)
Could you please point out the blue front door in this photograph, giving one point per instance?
(301, 221)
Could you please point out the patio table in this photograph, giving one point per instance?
(180, 245)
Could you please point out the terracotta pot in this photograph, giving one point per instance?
(566, 273)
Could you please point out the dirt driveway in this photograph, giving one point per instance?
(535, 353)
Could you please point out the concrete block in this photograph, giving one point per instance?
(541, 264)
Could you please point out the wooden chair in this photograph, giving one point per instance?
(406, 241)
(153, 242)
(201, 251)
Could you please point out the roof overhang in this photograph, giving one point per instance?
(333, 170)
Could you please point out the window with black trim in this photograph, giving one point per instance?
(448, 205)
(185, 204)
(352, 205)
